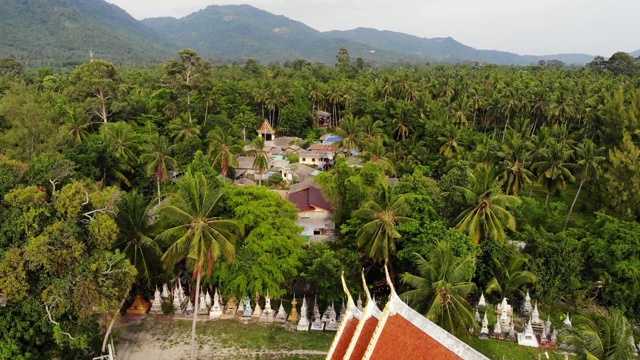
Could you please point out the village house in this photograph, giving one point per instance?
(315, 213)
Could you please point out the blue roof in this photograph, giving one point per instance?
(332, 139)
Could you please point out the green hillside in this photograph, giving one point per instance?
(242, 31)
(446, 49)
(63, 32)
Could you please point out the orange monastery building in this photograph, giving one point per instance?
(397, 333)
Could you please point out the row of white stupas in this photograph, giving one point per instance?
(536, 331)
(245, 312)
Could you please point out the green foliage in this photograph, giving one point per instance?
(441, 287)
(103, 231)
(268, 258)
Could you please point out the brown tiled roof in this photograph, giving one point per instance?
(403, 332)
(345, 337)
(322, 147)
(364, 337)
(400, 339)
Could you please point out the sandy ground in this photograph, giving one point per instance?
(140, 343)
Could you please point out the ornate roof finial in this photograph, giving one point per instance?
(365, 287)
(386, 273)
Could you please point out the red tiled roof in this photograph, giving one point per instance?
(400, 339)
(362, 342)
(321, 147)
(345, 338)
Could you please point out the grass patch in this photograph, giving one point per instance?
(507, 350)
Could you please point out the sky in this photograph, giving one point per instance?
(526, 27)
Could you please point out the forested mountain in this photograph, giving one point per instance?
(635, 53)
(446, 49)
(243, 32)
(63, 32)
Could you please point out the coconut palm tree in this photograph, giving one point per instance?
(137, 227)
(197, 234)
(158, 158)
(121, 142)
(598, 335)
(76, 125)
(515, 175)
(587, 166)
(553, 170)
(384, 212)
(488, 214)
(182, 129)
(508, 278)
(261, 161)
(223, 150)
(349, 131)
(440, 289)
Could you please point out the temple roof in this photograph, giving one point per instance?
(346, 329)
(401, 333)
(266, 128)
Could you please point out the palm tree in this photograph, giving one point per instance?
(223, 150)
(261, 161)
(76, 124)
(380, 234)
(451, 141)
(182, 129)
(200, 237)
(588, 166)
(488, 215)
(553, 171)
(441, 287)
(508, 279)
(137, 225)
(121, 143)
(349, 131)
(158, 157)
(515, 175)
(598, 335)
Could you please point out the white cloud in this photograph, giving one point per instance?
(522, 26)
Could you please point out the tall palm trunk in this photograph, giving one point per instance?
(573, 204)
(546, 202)
(158, 182)
(195, 317)
(506, 124)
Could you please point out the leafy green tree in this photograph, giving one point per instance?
(587, 166)
(30, 127)
(601, 335)
(158, 158)
(440, 289)
(95, 84)
(488, 214)
(623, 179)
(183, 72)
(384, 212)
(509, 277)
(223, 150)
(198, 235)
